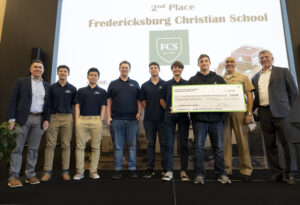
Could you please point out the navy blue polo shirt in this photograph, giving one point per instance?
(166, 94)
(62, 98)
(151, 93)
(124, 96)
(91, 100)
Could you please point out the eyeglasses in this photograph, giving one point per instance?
(230, 61)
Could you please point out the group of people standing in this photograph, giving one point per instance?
(37, 107)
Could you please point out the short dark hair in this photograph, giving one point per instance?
(37, 61)
(93, 70)
(203, 56)
(63, 66)
(154, 63)
(125, 62)
(177, 64)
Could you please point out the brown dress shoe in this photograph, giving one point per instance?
(14, 182)
(32, 180)
(46, 177)
(66, 176)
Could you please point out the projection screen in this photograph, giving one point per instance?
(101, 34)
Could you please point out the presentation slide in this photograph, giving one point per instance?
(101, 34)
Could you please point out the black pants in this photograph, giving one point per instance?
(272, 127)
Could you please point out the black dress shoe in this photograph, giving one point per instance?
(277, 178)
(117, 175)
(291, 180)
(246, 178)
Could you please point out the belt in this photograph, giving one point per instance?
(265, 107)
(35, 114)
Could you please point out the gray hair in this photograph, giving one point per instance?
(265, 51)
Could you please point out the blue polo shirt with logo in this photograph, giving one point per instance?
(166, 93)
(91, 100)
(151, 93)
(124, 96)
(62, 98)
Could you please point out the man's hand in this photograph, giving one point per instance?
(11, 124)
(138, 116)
(248, 119)
(45, 125)
(171, 111)
(108, 121)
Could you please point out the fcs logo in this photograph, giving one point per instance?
(169, 46)
(166, 46)
(168, 49)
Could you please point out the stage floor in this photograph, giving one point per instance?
(141, 191)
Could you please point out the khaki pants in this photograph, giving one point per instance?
(88, 126)
(62, 123)
(236, 122)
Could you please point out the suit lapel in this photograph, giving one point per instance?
(255, 82)
(46, 90)
(28, 85)
(273, 73)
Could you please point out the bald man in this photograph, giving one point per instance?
(238, 122)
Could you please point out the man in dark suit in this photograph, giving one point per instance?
(275, 93)
(28, 107)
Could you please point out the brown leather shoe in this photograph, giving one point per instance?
(14, 182)
(32, 180)
(66, 176)
(46, 177)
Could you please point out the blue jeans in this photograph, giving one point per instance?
(215, 131)
(151, 128)
(122, 130)
(183, 122)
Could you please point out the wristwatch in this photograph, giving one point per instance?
(249, 113)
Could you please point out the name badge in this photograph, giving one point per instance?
(97, 93)
(68, 91)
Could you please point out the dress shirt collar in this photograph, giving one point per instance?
(32, 78)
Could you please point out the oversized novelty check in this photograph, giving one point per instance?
(208, 98)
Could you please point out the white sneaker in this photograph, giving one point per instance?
(224, 179)
(199, 179)
(78, 176)
(94, 175)
(168, 176)
(184, 177)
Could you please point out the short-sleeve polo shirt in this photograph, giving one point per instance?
(151, 94)
(166, 94)
(238, 78)
(124, 96)
(62, 98)
(91, 100)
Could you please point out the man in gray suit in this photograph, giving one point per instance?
(275, 93)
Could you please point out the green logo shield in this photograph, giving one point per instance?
(169, 46)
(169, 49)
